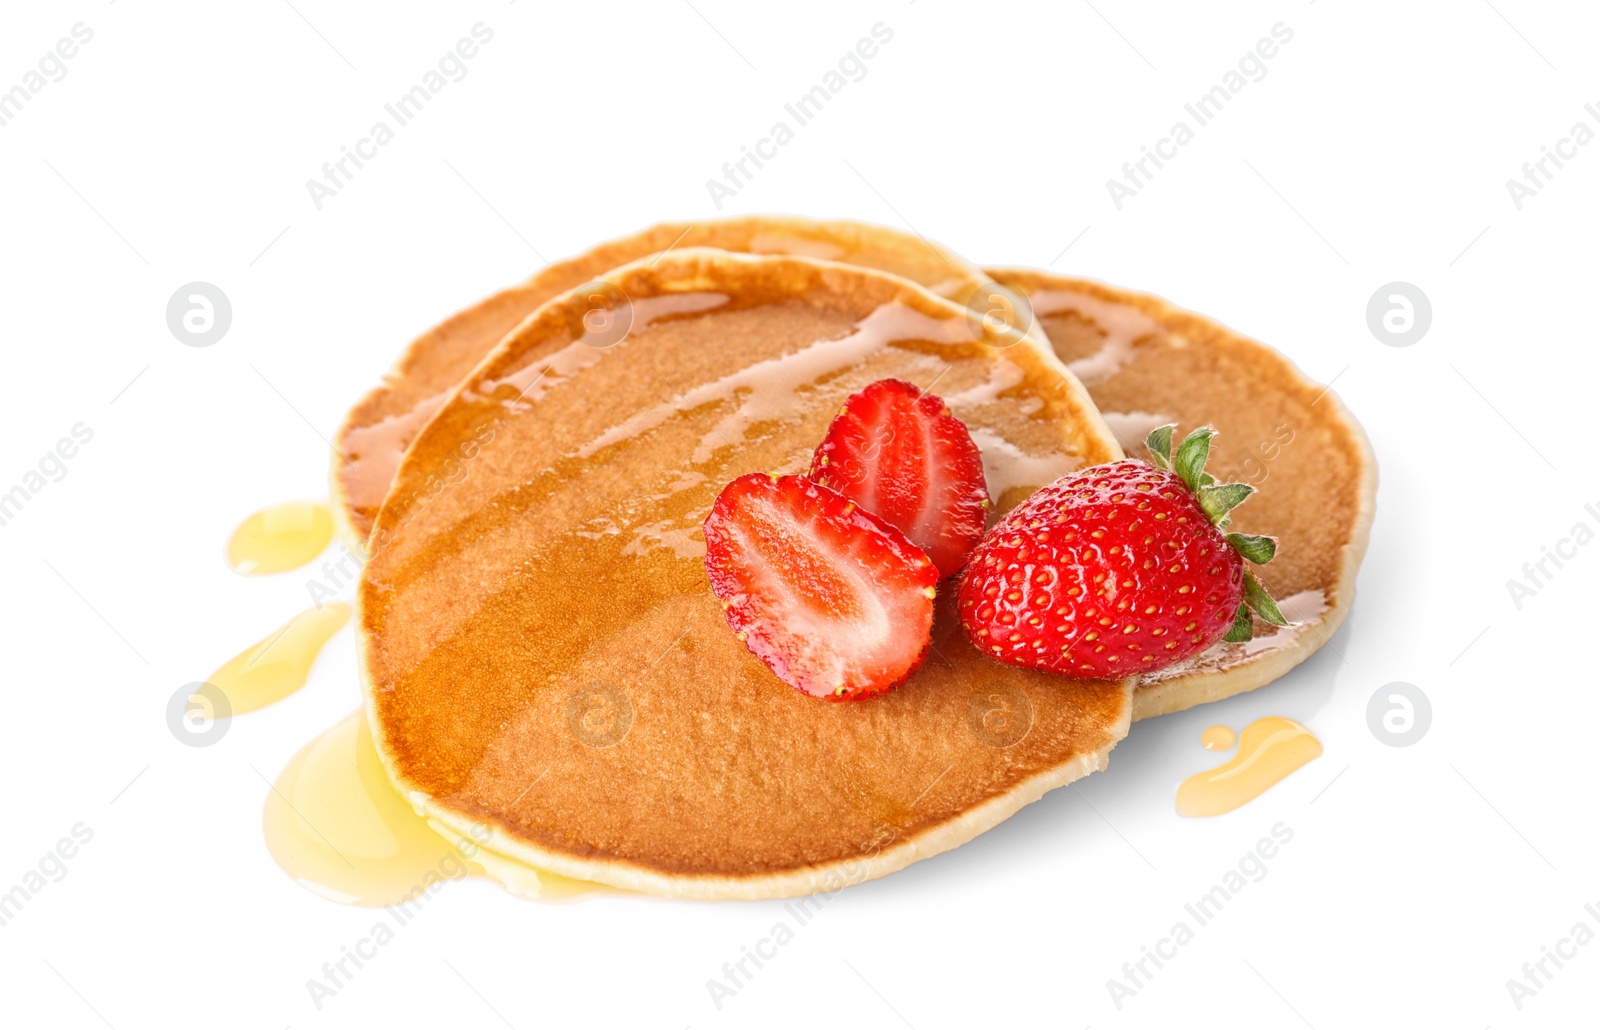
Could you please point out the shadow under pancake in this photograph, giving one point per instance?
(1135, 792)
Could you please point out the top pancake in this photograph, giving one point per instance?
(382, 424)
(1146, 363)
(543, 655)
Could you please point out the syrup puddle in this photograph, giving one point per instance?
(280, 538)
(277, 666)
(337, 826)
(1269, 750)
(1217, 738)
(333, 821)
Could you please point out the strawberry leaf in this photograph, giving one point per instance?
(1217, 501)
(1242, 629)
(1257, 549)
(1159, 443)
(1261, 602)
(1190, 461)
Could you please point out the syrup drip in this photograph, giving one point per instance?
(1269, 750)
(1217, 738)
(280, 538)
(277, 666)
(1123, 325)
(337, 826)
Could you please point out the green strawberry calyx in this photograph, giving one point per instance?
(1217, 500)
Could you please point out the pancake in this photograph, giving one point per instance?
(378, 429)
(546, 667)
(1146, 363)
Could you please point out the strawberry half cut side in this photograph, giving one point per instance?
(831, 598)
(899, 453)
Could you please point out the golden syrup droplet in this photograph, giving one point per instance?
(280, 538)
(1217, 738)
(335, 823)
(1269, 749)
(277, 666)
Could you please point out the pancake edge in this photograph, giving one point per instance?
(1187, 691)
(344, 525)
(827, 878)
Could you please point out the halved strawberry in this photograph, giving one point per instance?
(899, 453)
(830, 597)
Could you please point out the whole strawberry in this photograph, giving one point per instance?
(1119, 569)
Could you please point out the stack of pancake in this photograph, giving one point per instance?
(545, 666)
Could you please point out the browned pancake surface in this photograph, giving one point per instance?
(384, 422)
(544, 656)
(1145, 364)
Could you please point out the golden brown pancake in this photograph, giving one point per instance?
(382, 424)
(542, 653)
(1146, 363)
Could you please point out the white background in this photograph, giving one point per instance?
(1377, 147)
